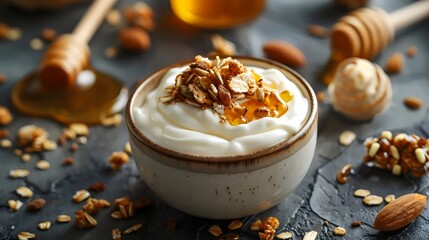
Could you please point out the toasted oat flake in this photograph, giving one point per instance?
(116, 234)
(24, 191)
(15, 205)
(17, 152)
(82, 140)
(43, 165)
(267, 234)
(93, 205)
(69, 134)
(284, 235)
(26, 235)
(223, 46)
(49, 145)
(25, 157)
(215, 230)
(270, 223)
(389, 198)
(114, 17)
(347, 137)
(132, 228)
(127, 148)
(256, 225)
(117, 159)
(19, 173)
(235, 224)
(63, 218)
(84, 220)
(116, 215)
(361, 193)
(5, 143)
(44, 225)
(339, 231)
(114, 120)
(79, 128)
(372, 200)
(36, 44)
(81, 195)
(14, 34)
(312, 235)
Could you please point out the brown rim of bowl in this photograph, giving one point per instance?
(301, 133)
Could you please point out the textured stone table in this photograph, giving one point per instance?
(318, 198)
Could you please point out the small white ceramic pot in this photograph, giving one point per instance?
(225, 187)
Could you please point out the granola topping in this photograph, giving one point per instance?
(226, 86)
(224, 103)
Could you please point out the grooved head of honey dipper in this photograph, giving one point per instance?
(62, 62)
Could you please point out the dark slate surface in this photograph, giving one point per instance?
(318, 198)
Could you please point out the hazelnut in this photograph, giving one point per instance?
(134, 39)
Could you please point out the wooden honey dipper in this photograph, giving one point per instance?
(366, 32)
(70, 54)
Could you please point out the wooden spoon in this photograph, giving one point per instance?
(70, 54)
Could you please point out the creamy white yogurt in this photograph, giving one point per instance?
(187, 129)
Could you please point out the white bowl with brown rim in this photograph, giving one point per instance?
(224, 187)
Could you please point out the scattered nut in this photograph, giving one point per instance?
(215, 230)
(389, 198)
(411, 51)
(63, 218)
(81, 195)
(82, 140)
(4, 133)
(84, 220)
(24, 191)
(361, 193)
(3, 79)
(343, 173)
(116, 234)
(339, 231)
(134, 39)
(270, 223)
(395, 63)
(26, 235)
(98, 186)
(36, 204)
(25, 157)
(114, 17)
(140, 15)
(356, 223)
(79, 128)
(285, 53)
(321, 96)
(69, 161)
(44, 225)
(5, 116)
(15, 205)
(222, 46)
(49, 34)
(317, 30)
(372, 200)
(347, 137)
(93, 205)
(413, 102)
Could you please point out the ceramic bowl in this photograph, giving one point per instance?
(224, 187)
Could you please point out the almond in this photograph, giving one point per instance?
(134, 39)
(400, 212)
(285, 53)
(395, 63)
(413, 102)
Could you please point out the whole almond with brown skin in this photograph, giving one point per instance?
(400, 212)
(134, 39)
(285, 53)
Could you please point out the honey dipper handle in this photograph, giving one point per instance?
(410, 14)
(92, 19)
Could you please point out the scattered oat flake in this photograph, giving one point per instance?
(36, 44)
(215, 230)
(116, 234)
(372, 200)
(15, 205)
(312, 235)
(81, 195)
(235, 224)
(43, 165)
(361, 193)
(284, 235)
(223, 46)
(389, 198)
(82, 140)
(347, 137)
(339, 231)
(26, 235)
(127, 148)
(25, 157)
(117, 159)
(256, 225)
(24, 191)
(132, 228)
(5, 143)
(114, 17)
(63, 218)
(114, 120)
(79, 128)
(19, 173)
(14, 34)
(44, 225)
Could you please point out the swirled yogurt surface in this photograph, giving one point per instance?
(187, 129)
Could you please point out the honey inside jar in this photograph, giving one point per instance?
(217, 13)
